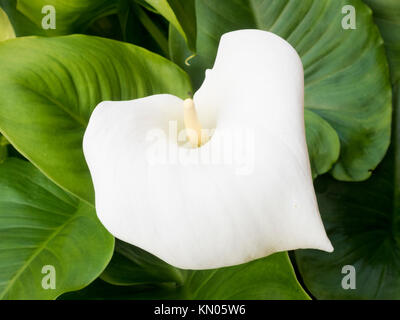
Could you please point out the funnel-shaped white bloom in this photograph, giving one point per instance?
(244, 194)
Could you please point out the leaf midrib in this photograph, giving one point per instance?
(75, 117)
(36, 253)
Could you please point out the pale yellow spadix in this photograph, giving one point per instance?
(192, 124)
(254, 200)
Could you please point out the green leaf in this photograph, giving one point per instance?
(49, 94)
(363, 223)
(3, 153)
(323, 143)
(268, 278)
(181, 15)
(145, 5)
(152, 29)
(21, 24)
(6, 29)
(3, 149)
(387, 16)
(346, 72)
(132, 266)
(114, 19)
(126, 26)
(43, 225)
(101, 290)
(72, 16)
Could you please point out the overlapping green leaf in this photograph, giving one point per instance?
(75, 16)
(181, 15)
(6, 32)
(363, 223)
(101, 290)
(132, 266)
(21, 24)
(323, 143)
(151, 27)
(3, 152)
(3, 149)
(49, 94)
(71, 16)
(387, 16)
(346, 74)
(6, 29)
(268, 278)
(42, 225)
(114, 19)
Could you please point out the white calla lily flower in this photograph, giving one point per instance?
(198, 207)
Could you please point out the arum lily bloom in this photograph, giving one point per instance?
(211, 214)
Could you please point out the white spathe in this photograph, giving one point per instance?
(203, 216)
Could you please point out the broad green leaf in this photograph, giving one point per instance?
(42, 225)
(72, 16)
(6, 29)
(363, 222)
(268, 278)
(132, 266)
(181, 15)
(272, 277)
(346, 73)
(49, 94)
(387, 16)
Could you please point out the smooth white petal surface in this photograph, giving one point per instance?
(206, 208)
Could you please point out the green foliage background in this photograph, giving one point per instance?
(50, 81)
